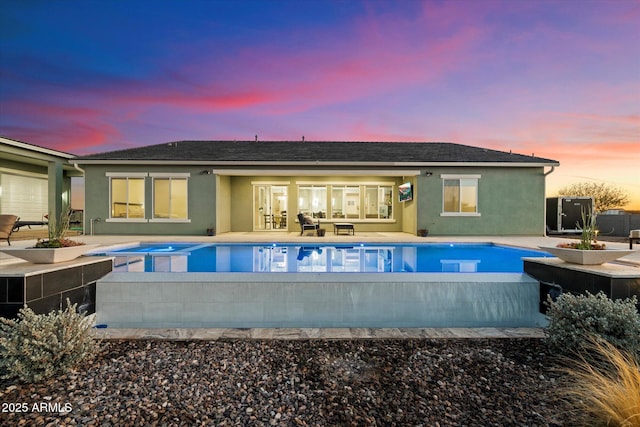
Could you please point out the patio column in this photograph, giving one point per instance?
(56, 189)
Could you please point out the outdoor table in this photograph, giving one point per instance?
(347, 226)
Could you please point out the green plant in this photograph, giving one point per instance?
(574, 319)
(605, 386)
(57, 229)
(588, 234)
(38, 346)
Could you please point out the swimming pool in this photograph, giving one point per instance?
(427, 285)
(326, 258)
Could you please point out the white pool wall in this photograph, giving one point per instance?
(317, 300)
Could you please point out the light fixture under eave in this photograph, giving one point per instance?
(206, 172)
(428, 173)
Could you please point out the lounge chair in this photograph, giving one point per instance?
(304, 225)
(7, 225)
(28, 224)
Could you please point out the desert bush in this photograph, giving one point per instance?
(38, 346)
(575, 319)
(604, 389)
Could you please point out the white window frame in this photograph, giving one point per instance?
(314, 187)
(170, 176)
(459, 177)
(361, 186)
(127, 176)
(381, 203)
(331, 208)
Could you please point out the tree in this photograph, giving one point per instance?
(604, 196)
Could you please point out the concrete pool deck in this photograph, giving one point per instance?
(532, 242)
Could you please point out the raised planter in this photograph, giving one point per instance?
(49, 255)
(587, 257)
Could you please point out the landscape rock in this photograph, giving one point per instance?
(413, 382)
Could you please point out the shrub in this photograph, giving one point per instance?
(605, 388)
(38, 346)
(575, 319)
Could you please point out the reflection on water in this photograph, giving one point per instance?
(332, 259)
(348, 259)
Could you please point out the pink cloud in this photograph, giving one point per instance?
(73, 138)
(199, 102)
(380, 55)
(49, 110)
(71, 129)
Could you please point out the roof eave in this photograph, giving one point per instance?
(34, 151)
(307, 163)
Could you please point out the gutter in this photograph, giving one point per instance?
(78, 168)
(279, 164)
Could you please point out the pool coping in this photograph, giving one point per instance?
(528, 242)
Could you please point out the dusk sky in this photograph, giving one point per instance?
(559, 79)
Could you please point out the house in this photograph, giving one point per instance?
(34, 181)
(187, 187)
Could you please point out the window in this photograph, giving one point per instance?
(363, 201)
(312, 200)
(460, 194)
(170, 201)
(127, 197)
(345, 202)
(378, 201)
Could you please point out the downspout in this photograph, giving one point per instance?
(79, 169)
(553, 168)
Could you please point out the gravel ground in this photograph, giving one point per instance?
(435, 382)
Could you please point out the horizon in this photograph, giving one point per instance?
(557, 80)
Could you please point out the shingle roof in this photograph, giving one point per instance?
(314, 151)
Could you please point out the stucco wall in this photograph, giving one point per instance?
(410, 209)
(242, 201)
(223, 207)
(510, 202)
(201, 204)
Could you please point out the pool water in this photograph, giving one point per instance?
(296, 258)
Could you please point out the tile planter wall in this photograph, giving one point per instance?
(616, 281)
(46, 288)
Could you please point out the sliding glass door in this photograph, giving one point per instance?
(269, 207)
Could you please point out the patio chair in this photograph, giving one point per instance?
(304, 225)
(7, 225)
(283, 219)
